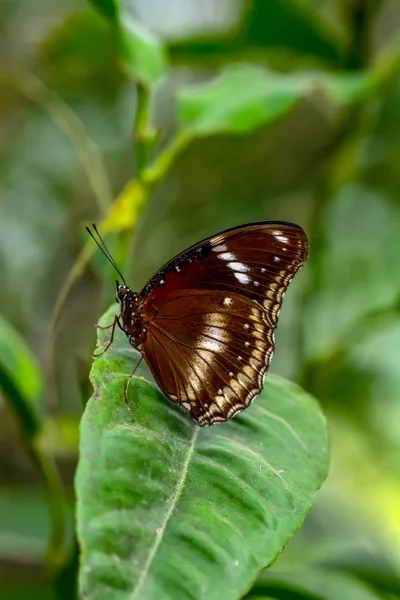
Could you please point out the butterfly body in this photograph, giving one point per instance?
(205, 322)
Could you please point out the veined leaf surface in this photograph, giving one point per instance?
(167, 510)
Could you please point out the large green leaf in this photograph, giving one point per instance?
(169, 510)
(244, 97)
(141, 52)
(20, 379)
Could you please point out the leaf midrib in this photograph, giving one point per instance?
(175, 499)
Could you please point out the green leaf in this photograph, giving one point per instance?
(169, 510)
(142, 54)
(287, 29)
(245, 97)
(241, 99)
(20, 379)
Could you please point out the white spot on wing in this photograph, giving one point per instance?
(282, 238)
(220, 248)
(214, 340)
(227, 256)
(238, 266)
(242, 277)
(276, 259)
(227, 301)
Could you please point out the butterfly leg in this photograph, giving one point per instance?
(113, 324)
(129, 380)
(106, 327)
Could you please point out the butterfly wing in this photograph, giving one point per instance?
(211, 314)
(211, 358)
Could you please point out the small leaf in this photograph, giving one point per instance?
(242, 98)
(141, 52)
(20, 379)
(169, 510)
(245, 97)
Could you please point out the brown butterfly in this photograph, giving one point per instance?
(205, 322)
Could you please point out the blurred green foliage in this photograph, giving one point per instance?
(307, 130)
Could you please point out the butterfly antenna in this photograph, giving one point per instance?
(101, 244)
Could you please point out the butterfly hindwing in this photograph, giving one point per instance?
(212, 358)
(212, 312)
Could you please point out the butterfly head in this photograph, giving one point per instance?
(126, 298)
(130, 317)
(122, 292)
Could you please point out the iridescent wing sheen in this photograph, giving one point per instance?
(211, 314)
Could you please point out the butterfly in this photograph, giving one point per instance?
(205, 322)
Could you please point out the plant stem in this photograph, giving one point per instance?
(143, 134)
(160, 167)
(149, 178)
(148, 173)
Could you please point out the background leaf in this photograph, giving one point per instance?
(244, 97)
(142, 54)
(20, 378)
(286, 26)
(184, 511)
(329, 161)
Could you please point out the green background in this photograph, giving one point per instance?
(260, 110)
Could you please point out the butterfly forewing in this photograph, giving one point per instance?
(211, 314)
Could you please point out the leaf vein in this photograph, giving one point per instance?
(175, 499)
